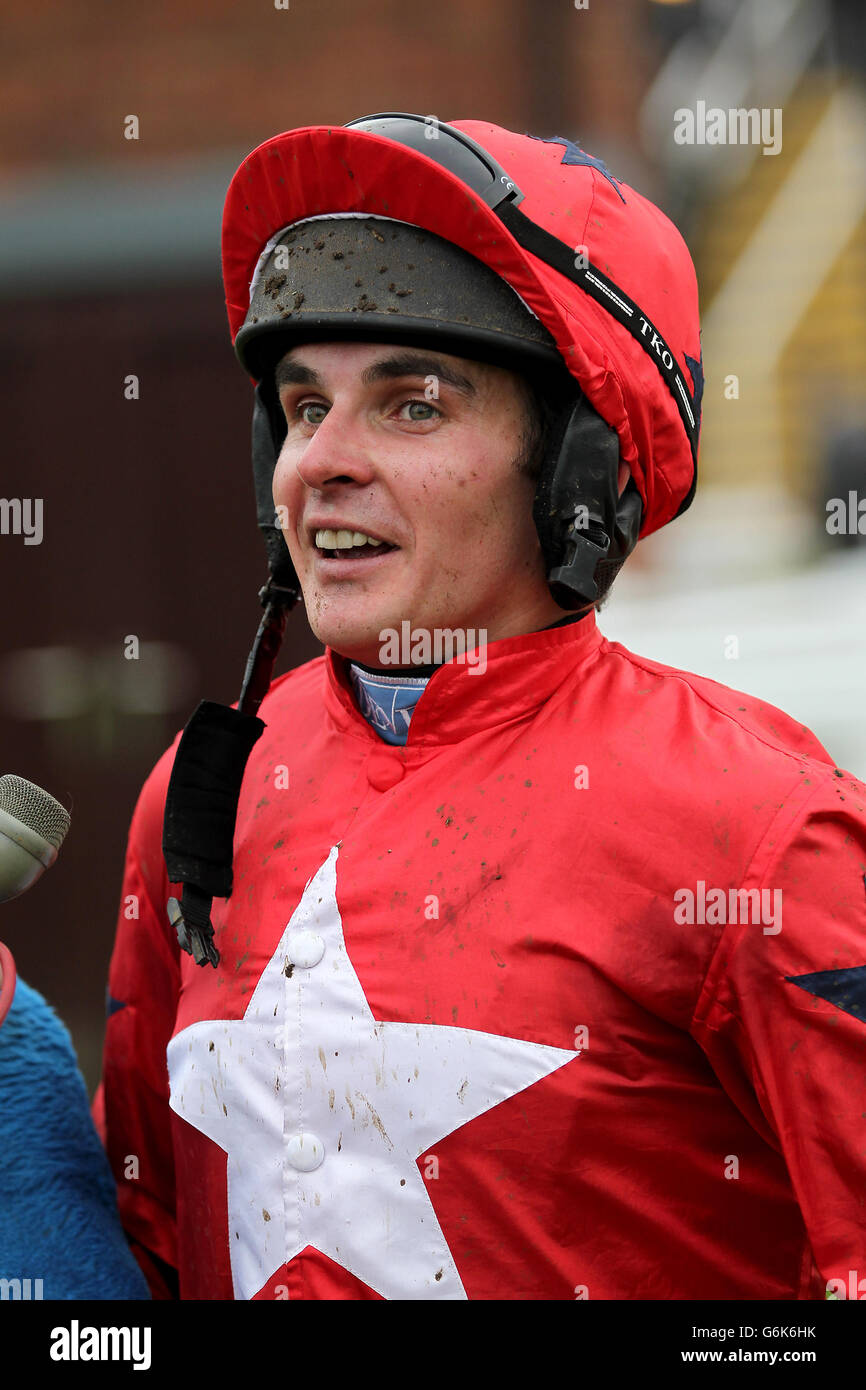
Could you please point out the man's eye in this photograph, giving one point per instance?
(300, 412)
(415, 405)
(314, 412)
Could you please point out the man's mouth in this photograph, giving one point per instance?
(350, 545)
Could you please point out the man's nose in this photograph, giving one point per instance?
(336, 453)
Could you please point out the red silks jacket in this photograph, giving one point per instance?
(564, 999)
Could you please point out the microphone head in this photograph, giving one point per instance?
(34, 808)
(32, 829)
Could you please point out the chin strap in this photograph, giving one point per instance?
(586, 529)
(202, 801)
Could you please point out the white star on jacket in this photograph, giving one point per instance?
(308, 1077)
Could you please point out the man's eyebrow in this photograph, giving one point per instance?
(416, 364)
(290, 373)
(295, 374)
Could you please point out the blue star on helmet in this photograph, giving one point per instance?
(844, 988)
(695, 366)
(575, 155)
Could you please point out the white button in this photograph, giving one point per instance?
(305, 1152)
(305, 948)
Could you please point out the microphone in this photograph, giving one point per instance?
(32, 829)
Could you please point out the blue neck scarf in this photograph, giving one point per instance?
(388, 702)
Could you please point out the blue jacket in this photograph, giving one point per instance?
(58, 1209)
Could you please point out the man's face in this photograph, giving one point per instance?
(416, 449)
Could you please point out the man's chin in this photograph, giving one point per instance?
(360, 641)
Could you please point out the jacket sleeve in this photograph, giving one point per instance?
(782, 1017)
(131, 1107)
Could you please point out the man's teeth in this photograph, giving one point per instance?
(343, 540)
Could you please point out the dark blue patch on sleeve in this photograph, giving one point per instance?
(844, 988)
(112, 1005)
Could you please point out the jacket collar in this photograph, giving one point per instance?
(521, 673)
